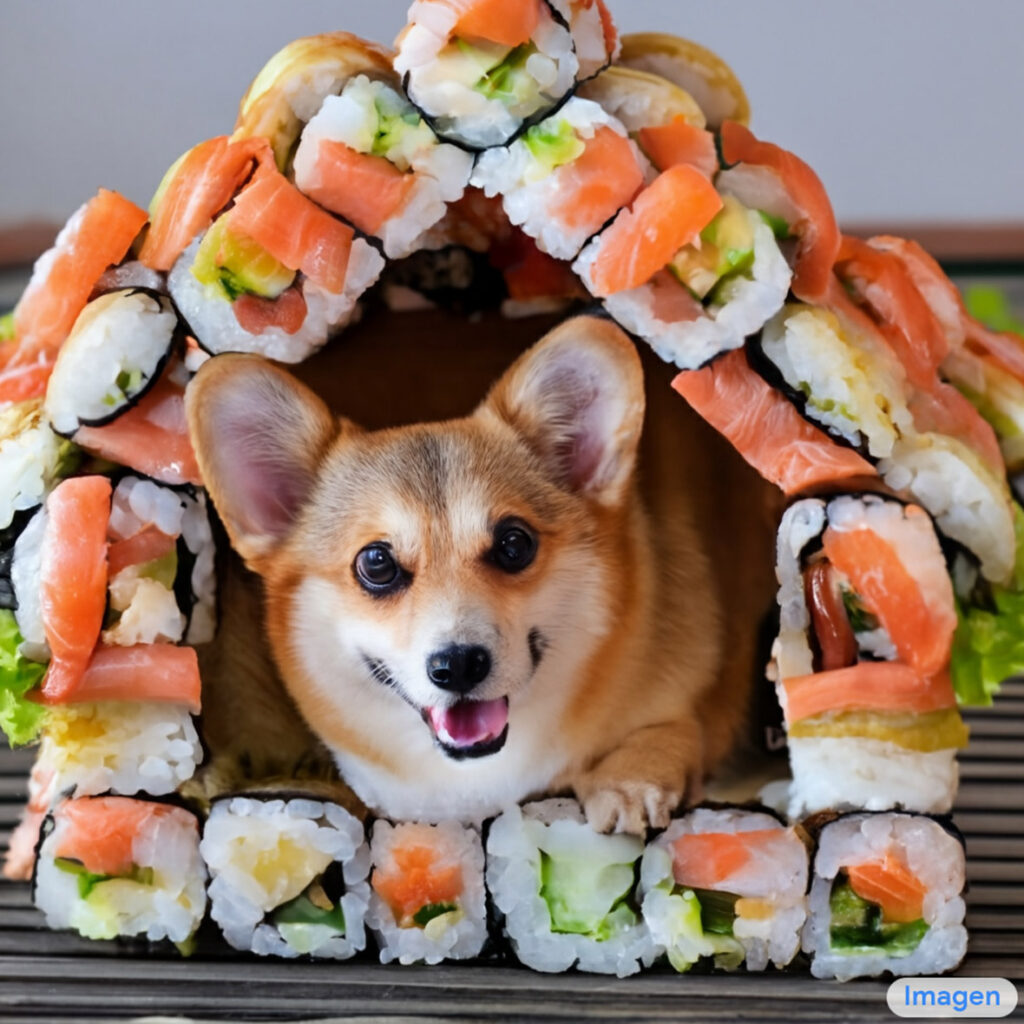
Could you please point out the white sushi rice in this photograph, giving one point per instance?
(122, 332)
(854, 387)
(441, 170)
(149, 612)
(849, 773)
(968, 502)
(441, 77)
(532, 195)
(131, 274)
(749, 301)
(211, 317)
(26, 572)
(263, 853)
(30, 459)
(930, 853)
(514, 846)
(587, 28)
(138, 503)
(123, 747)
(778, 875)
(457, 935)
(169, 908)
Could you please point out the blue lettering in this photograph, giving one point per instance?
(960, 1000)
(920, 997)
(942, 999)
(992, 997)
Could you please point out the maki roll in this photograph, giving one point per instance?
(369, 157)
(727, 885)
(567, 893)
(288, 876)
(116, 351)
(480, 69)
(275, 274)
(111, 867)
(689, 270)
(886, 896)
(862, 659)
(564, 177)
(703, 74)
(427, 901)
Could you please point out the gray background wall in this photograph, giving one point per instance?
(910, 110)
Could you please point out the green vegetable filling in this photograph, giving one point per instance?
(726, 250)
(302, 910)
(391, 126)
(856, 925)
(7, 327)
(992, 307)
(861, 620)
(20, 719)
(717, 911)
(553, 144)
(235, 265)
(988, 645)
(127, 383)
(427, 913)
(87, 881)
(507, 81)
(780, 228)
(588, 898)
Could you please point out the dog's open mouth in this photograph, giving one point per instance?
(470, 728)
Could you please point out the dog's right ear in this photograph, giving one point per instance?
(259, 436)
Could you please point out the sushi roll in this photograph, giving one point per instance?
(703, 74)
(690, 271)
(565, 177)
(728, 885)
(112, 867)
(97, 236)
(567, 893)
(293, 84)
(20, 860)
(886, 896)
(427, 901)
(479, 70)
(288, 876)
(275, 274)
(369, 157)
(115, 353)
(151, 436)
(862, 658)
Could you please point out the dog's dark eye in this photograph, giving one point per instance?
(376, 569)
(514, 546)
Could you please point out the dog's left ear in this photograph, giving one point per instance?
(577, 397)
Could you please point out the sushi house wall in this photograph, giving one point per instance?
(909, 111)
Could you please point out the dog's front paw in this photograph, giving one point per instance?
(630, 807)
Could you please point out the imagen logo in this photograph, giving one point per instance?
(952, 997)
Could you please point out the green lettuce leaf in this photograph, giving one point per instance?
(7, 326)
(20, 719)
(988, 645)
(991, 306)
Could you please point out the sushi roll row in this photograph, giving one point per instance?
(723, 888)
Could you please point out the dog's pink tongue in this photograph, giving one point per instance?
(470, 721)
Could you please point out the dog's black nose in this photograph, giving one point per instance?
(458, 667)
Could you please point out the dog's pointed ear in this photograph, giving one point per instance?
(577, 398)
(259, 436)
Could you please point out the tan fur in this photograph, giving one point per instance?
(675, 569)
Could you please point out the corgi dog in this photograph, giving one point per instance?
(471, 612)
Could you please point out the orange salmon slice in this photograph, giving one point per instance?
(765, 429)
(922, 635)
(670, 213)
(293, 229)
(867, 686)
(97, 236)
(366, 190)
(23, 383)
(679, 142)
(156, 672)
(415, 881)
(151, 437)
(204, 183)
(100, 831)
(892, 886)
(496, 20)
(149, 544)
(73, 578)
(817, 229)
(599, 182)
(707, 860)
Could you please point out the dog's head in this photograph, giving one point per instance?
(447, 570)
